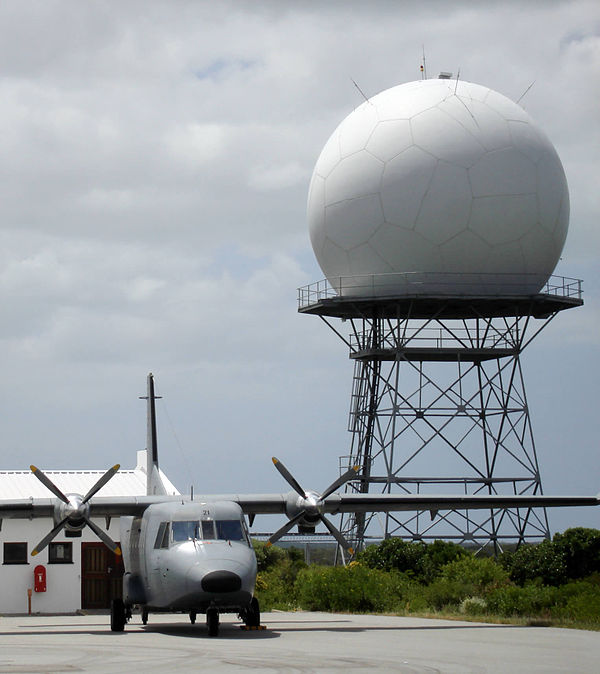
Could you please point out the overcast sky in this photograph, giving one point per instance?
(155, 160)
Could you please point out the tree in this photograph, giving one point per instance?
(581, 550)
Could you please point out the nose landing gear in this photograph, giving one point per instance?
(212, 622)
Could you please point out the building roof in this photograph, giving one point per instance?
(17, 484)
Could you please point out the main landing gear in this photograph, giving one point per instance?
(117, 615)
(251, 615)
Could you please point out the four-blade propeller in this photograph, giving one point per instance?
(74, 512)
(310, 505)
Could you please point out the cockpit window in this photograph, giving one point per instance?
(205, 530)
(208, 530)
(184, 531)
(230, 530)
(162, 537)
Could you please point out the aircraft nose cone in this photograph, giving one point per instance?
(221, 581)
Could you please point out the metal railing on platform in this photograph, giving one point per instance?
(442, 284)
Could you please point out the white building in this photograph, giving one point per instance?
(81, 572)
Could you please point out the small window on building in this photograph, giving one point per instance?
(15, 553)
(60, 553)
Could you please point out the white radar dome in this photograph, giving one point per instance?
(438, 186)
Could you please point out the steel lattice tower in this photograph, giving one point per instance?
(438, 405)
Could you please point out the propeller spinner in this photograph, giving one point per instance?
(73, 510)
(310, 505)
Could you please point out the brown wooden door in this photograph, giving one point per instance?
(101, 576)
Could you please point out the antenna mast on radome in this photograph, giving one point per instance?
(423, 66)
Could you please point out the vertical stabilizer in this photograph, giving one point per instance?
(154, 484)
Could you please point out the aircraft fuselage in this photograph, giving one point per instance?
(188, 556)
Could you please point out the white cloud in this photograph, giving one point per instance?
(153, 180)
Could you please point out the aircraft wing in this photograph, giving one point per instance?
(115, 506)
(348, 503)
(257, 504)
(396, 502)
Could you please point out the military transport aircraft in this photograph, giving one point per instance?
(194, 554)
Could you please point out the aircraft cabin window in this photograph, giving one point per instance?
(229, 530)
(184, 531)
(208, 530)
(162, 537)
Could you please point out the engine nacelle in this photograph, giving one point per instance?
(74, 513)
(311, 505)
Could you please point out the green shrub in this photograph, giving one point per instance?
(530, 600)
(437, 555)
(473, 606)
(395, 553)
(582, 604)
(444, 593)
(543, 561)
(275, 586)
(355, 588)
(476, 572)
(580, 548)
(422, 562)
(267, 555)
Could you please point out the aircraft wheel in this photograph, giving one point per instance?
(145, 616)
(252, 615)
(212, 622)
(117, 615)
(193, 617)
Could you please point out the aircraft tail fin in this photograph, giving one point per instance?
(154, 483)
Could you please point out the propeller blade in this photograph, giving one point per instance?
(287, 476)
(101, 482)
(285, 528)
(337, 534)
(48, 537)
(342, 479)
(49, 484)
(105, 538)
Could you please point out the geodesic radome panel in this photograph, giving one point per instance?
(441, 178)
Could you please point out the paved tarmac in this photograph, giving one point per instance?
(293, 642)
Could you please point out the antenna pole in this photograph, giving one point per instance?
(423, 66)
(361, 91)
(522, 96)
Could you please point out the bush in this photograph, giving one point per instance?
(530, 600)
(275, 586)
(473, 606)
(437, 555)
(422, 562)
(479, 573)
(267, 555)
(544, 562)
(581, 603)
(395, 553)
(580, 548)
(354, 588)
(446, 594)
